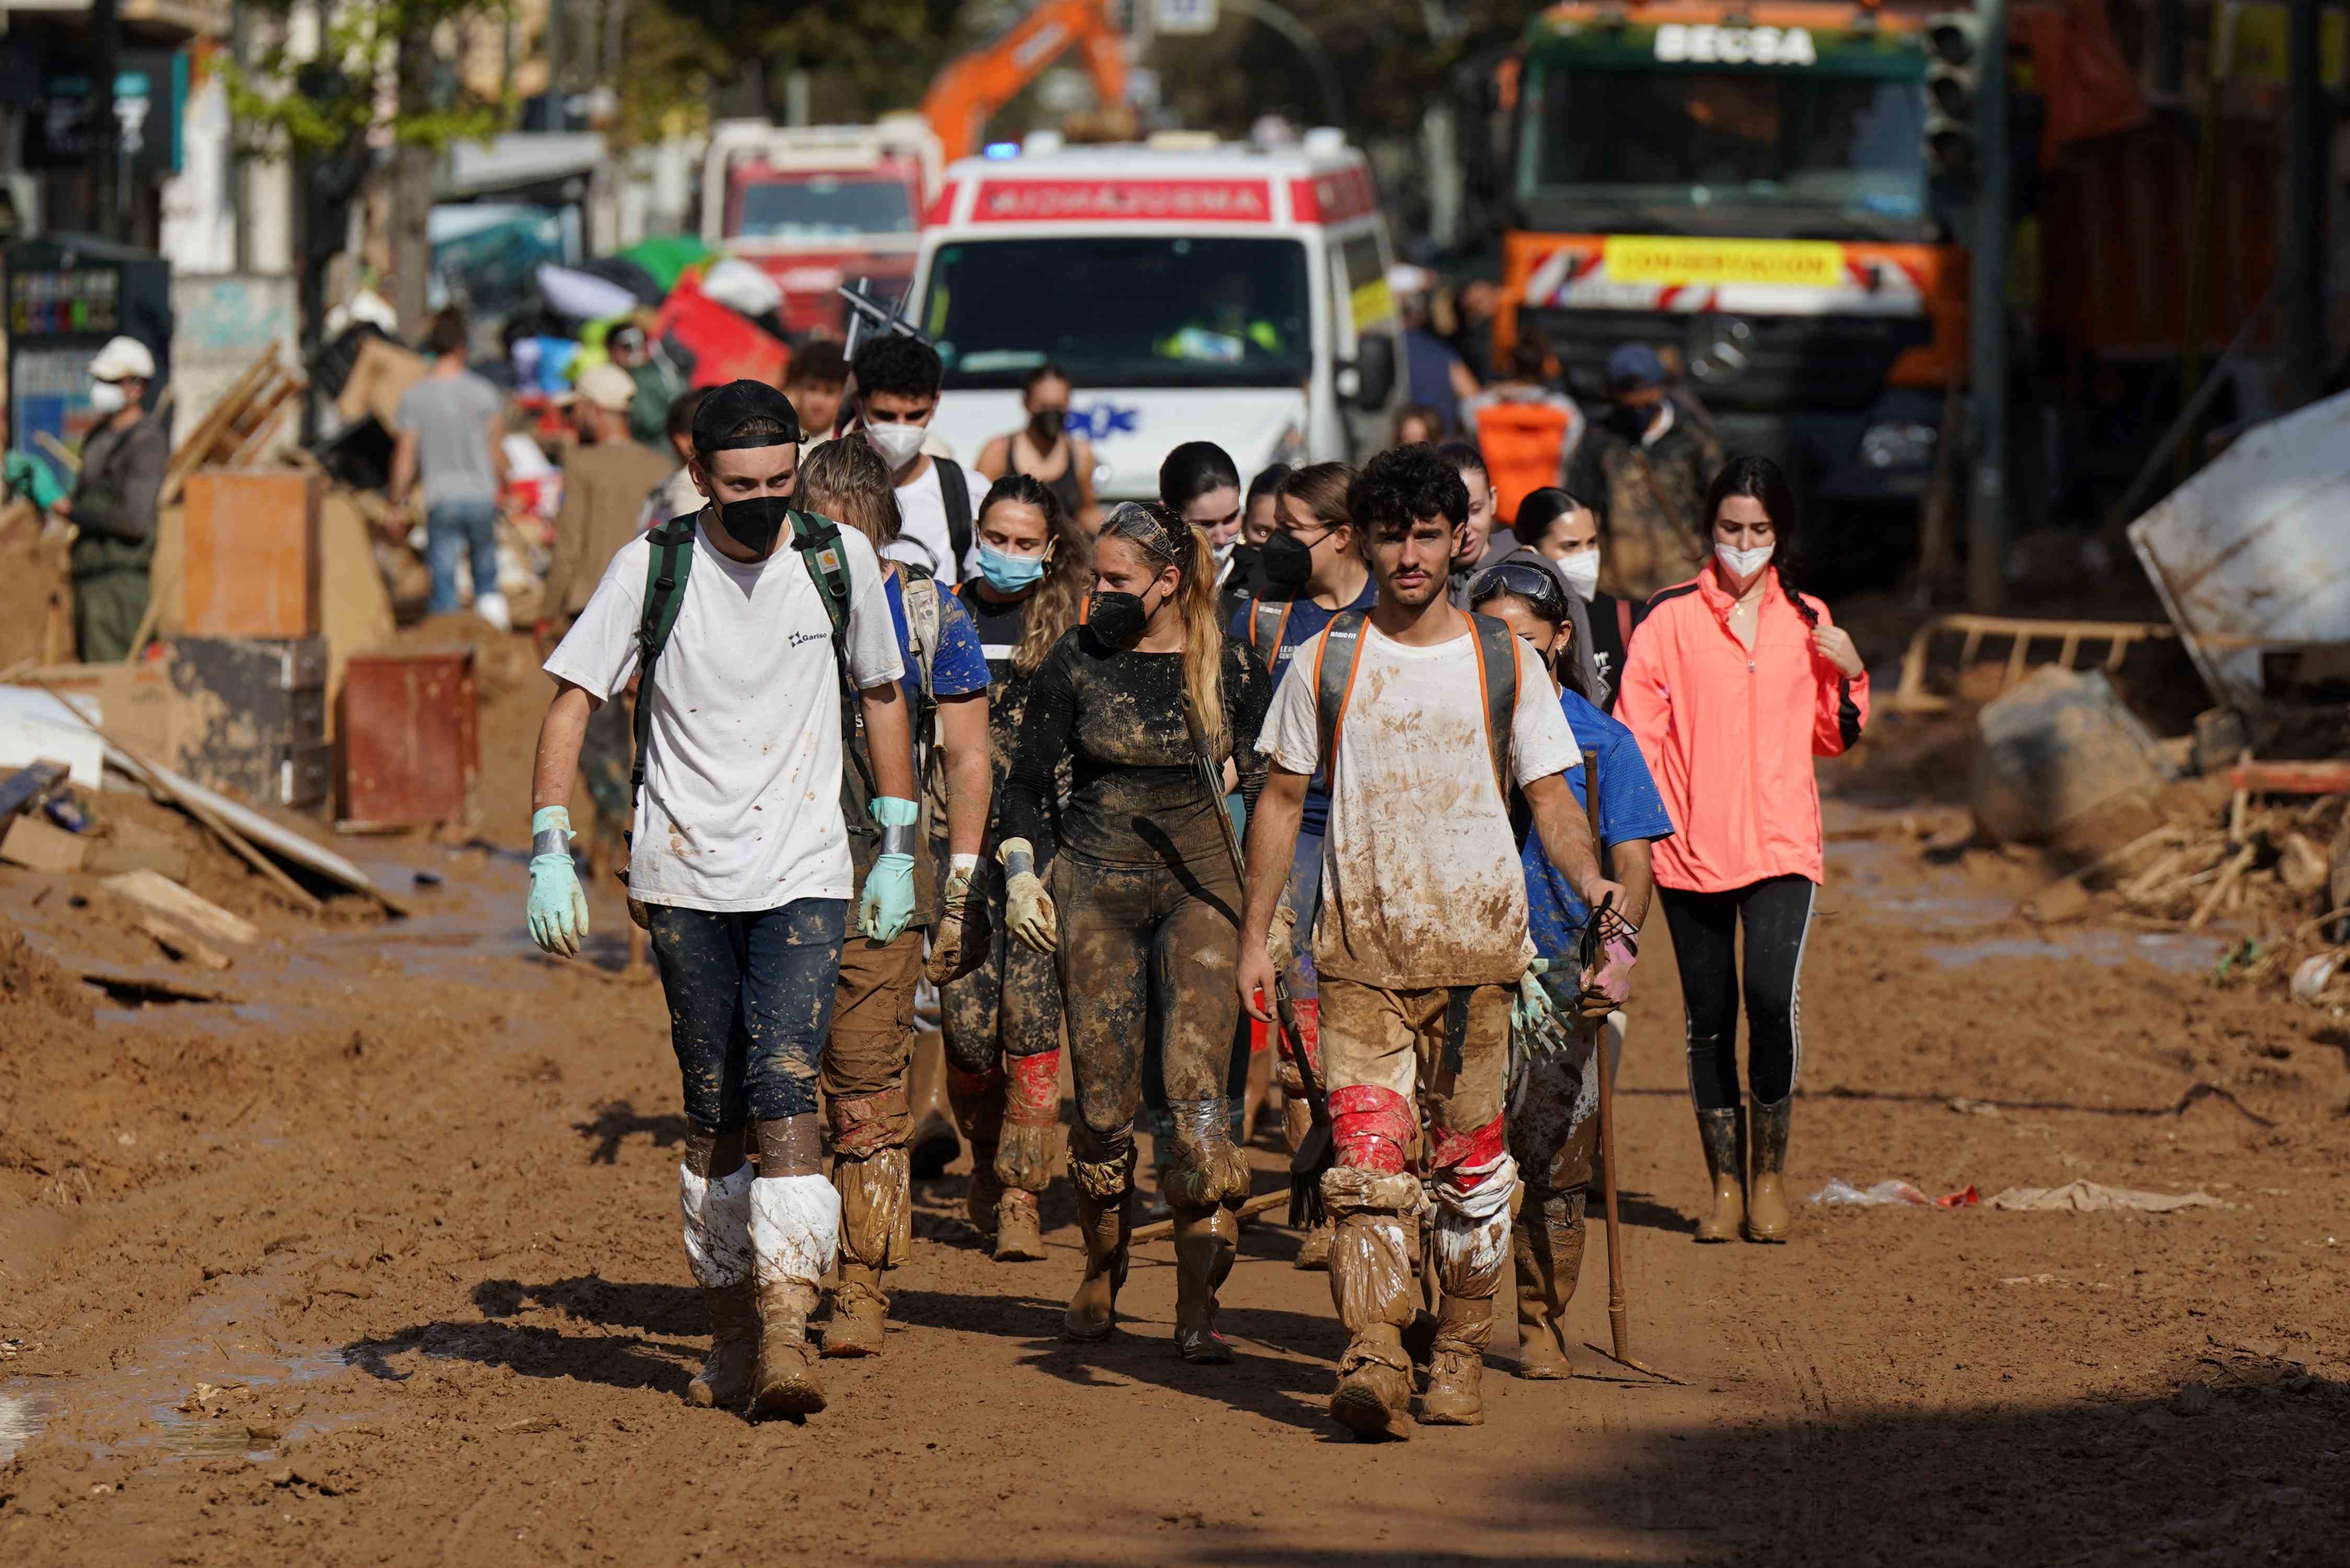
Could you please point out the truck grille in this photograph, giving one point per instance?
(1788, 361)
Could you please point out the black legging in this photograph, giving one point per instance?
(1777, 913)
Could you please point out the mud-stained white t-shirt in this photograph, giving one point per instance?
(741, 808)
(1421, 885)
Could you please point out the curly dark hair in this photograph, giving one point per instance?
(901, 366)
(1400, 486)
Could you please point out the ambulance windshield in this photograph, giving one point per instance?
(1118, 310)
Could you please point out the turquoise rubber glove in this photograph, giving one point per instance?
(1535, 1003)
(27, 475)
(558, 905)
(889, 901)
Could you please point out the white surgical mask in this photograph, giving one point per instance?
(1744, 564)
(895, 443)
(107, 397)
(1581, 570)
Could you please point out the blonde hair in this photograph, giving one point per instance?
(847, 481)
(1171, 542)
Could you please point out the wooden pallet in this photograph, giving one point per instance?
(239, 426)
(2024, 637)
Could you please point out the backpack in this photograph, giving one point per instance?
(954, 489)
(1523, 443)
(1497, 672)
(817, 540)
(1268, 618)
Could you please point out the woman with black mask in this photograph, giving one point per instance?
(1143, 912)
(1045, 449)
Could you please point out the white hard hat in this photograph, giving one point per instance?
(123, 358)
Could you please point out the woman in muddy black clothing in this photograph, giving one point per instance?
(1003, 1020)
(1144, 908)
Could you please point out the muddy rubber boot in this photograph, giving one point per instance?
(725, 1378)
(1767, 1219)
(1019, 1227)
(1456, 1375)
(1314, 1252)
(859, 1309)
(785, 1382)
(1723, 1138)
(983, 1201)
(1548, 1252)
(1206, 1241)
(1373, 1399)
(1102, 1227)
(978, 1102)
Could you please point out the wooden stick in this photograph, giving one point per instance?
(2236, 867)
(1159, 1229)
(58, 449)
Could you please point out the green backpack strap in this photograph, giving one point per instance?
(817, 539)
(666, 570)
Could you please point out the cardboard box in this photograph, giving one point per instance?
(42, 846)
(251, 551)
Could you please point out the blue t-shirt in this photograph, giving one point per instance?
(1303, 623)
(958, 668)
(1629, 808)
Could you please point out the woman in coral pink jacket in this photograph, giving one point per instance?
(1732, 685)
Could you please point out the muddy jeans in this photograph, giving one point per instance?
(750, 1002)
(1147, 952)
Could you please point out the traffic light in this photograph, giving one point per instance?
(1954, 66)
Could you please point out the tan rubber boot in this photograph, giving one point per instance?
(1724, 1140)
(1102, 1227)
(1767, 1219)
(1373, 1399)
(876, 1232)
(1456, 1373)
(1547, 1250)
(1019, 1227)
(978, 1102)
(1314, 1252)
(725, 1378)
(785, 1382)
(1206, 1241)
(860, 1309)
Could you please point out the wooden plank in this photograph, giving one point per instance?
(165, 897)
(178, 944)
(111, 856)
(285, 844)
(39, 846)
(2292, 778)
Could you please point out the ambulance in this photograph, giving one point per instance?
(1192, 291)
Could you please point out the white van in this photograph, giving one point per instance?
(1208, 293)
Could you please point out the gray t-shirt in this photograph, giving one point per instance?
(450, 416)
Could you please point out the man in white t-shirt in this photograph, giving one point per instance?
(741, 858)
(1422, 939)
(898, 379)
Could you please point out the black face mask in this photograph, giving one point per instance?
(756, 520)
(1288, 560)
(1117, 618)
(1631, 423)
(1046, 425)
(1245, 557)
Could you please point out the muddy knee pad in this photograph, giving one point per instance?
(1370, 1255)
(1101, 1163)
(876, 1209)
(1031, 1133)
(1371, 1127)
(1474, 1178)
(865, 1125)
(1207, 1169)
(977, 1100)
(717, 1226)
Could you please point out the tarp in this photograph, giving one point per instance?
(726, 347)
(666, 257)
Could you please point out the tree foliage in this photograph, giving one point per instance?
(352, 87)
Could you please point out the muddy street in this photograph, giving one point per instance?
(376, 1261)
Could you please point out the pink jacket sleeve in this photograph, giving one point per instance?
(1843, 710)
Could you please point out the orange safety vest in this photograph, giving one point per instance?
(1522, 443)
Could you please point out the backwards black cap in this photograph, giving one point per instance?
(719, 418)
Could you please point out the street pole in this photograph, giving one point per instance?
(1987, 508)
(107, 181)
(2307, 136)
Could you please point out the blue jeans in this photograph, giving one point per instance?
(452, 530)
(750, 1003)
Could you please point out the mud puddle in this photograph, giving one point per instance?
(2173, 952)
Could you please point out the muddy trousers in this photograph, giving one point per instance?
(750, 1002)
(1147, 954)
(107, 610)
(1003, 1028)
(867, 1115)
(1777, 915)
(1449, 1049)
(1554, 1136)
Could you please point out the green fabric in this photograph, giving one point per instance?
(648, 414)
(28, 476)
(108, 608)
(666, 257)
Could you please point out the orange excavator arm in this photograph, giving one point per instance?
(966, 95)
